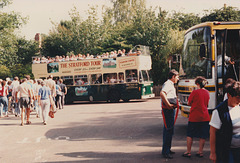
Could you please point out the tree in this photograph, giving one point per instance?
(125, 10)
(223, 14)
(143, 26)
(182, 21)
(75, 36)
(151, 30)
(9, 50)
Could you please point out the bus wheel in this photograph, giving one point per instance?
(68, 101)
(125, 100)
(114, 96)
(91, 98)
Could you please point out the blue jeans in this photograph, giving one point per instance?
(169, 131)
(17, 108)
(4, 101)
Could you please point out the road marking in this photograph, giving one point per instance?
(38, 156)
(25, 140)
(62, 138)
(39, 139)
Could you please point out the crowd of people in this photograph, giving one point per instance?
(21, 97)
(223, 128)
(73, 57)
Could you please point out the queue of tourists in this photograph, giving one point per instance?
(21, 97)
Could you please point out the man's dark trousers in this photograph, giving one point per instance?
(168, 132)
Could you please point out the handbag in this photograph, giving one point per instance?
(173, 101)
(51, 114)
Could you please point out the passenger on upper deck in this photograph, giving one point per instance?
(58, 58)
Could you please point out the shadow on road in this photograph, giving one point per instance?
(139, 127)
(105, 102)
(110, 157)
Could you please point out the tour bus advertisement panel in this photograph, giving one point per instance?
(84, 66)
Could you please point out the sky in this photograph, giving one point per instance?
(40, 13)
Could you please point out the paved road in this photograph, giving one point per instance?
(94, 133)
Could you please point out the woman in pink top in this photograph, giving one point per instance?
(198, 122)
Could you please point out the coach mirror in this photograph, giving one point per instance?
(202, 52)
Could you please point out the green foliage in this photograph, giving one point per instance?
(21, 70)
(4, 3)
(223, 14)
(75, 35)
(5, 72)
(8, 40)
(181, 21)
(124, 10)
(174, 45)
(12, 53)
(26, 50)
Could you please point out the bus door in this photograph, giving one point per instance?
(221, 36)
(227, 55)
(232, 51)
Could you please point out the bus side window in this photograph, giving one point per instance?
(131, 76)
(121, 77)
(149, 75)
(110, 78)
(140, 77)
(43, 78)
(144, 75)
(56, 79)
(68, 80)
(95, 79)
(81, 79)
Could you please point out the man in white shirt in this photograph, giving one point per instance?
(25, 97)
(168, 110)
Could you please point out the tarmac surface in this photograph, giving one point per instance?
(98, 132)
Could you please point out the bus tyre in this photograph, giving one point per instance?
(114, 96)
(68, 101)
(125, 100)
(91, 98)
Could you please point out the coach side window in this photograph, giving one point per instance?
(131, 76)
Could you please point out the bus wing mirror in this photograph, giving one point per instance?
(202, 52)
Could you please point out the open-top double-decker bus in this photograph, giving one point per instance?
(207, 51)
(103, 79)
